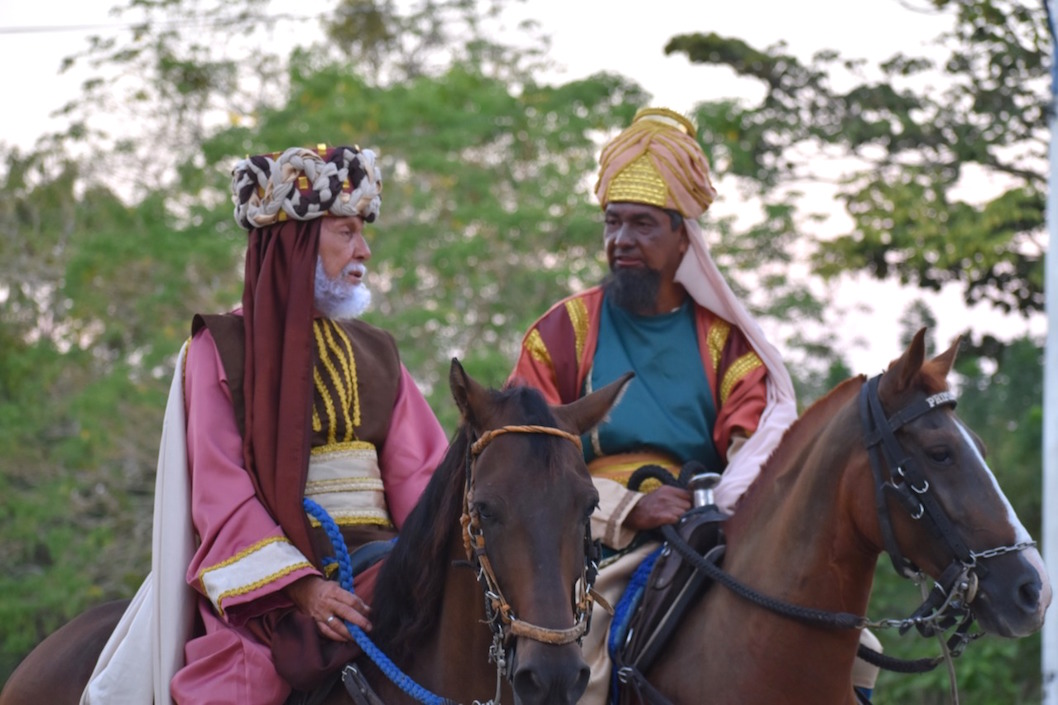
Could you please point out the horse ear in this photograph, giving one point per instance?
(902, 371)
(469, 396)
(588, 412)
(943, 363)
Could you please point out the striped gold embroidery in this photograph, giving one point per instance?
(350, 364)
(578, 316)
(717, 339)
(534, 345)
(736, 371)
(341, 397)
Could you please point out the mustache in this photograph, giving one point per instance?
(358, 268)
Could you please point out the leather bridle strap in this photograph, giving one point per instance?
(491, 435)
(498, 610)
(881, 443)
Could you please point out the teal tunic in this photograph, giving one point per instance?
(668, 406)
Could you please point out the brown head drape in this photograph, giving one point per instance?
(278, 307)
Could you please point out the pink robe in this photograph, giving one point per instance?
(243, 560)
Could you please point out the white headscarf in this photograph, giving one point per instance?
(700, 277)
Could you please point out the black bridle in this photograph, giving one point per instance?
(898, 473)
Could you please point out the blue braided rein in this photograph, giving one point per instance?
(345, 579)
(624, 610)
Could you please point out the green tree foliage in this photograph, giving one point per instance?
(486, 220)
(108, 250)
(920, 132)
(92, 309)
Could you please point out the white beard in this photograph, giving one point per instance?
(336, 298)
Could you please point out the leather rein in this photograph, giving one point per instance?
(498, 610)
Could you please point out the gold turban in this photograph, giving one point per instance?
(657, 160)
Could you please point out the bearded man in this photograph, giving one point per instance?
(709, 387)
(286, 398)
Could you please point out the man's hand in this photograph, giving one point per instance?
(665, 505)
(330, 606)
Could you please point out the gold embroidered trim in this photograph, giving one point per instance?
(738, 369)
(639, 182)
(345, 484)
(534, 345)
(354, 385)
(358, 519)
(258, 584)
(242, 554)
(716, 340)
(325, 343)
(354, 448)
(336, 351)
(578, 316)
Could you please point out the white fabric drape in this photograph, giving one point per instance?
(699, 275)
(147, 647)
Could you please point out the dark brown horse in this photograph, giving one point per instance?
(509, 506)
(810, 530)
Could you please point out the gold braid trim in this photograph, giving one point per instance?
(259, 583)
(354, 384)
(736, 371)
(344, 448)
(578, 316)
(716, 340)
(534, 345)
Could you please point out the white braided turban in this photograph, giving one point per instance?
(303, 184)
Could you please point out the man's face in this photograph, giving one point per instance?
(341, 244)
(340, 292)
(637, 236)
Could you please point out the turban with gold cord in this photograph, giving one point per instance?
(656, 160)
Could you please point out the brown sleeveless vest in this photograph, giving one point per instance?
(378, 375)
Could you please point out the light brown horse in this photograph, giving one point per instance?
(509, 505)
(809, 533)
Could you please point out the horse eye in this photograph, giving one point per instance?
(484, 511)
(939, 454)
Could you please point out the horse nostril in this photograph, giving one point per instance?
(582, 682)
(528, 686)
(1028, 594)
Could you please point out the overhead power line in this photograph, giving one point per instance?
(118, 26)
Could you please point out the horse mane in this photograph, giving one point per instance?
(410, 584)
(797, 439)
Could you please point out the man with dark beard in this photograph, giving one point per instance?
(708, 387)
(290, 397)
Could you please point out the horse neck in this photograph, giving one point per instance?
(449, 642)
(799, 527)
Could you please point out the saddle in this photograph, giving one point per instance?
(671, 588)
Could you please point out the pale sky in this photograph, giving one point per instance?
(587, 36)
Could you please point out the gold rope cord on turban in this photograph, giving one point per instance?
(656, 160)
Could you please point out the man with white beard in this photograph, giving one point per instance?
(323, 409)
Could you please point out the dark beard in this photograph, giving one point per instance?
(634, 290)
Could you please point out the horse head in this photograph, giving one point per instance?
(528, 500)
(940, 508)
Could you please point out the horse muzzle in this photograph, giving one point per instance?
(1013, 597)
(546, 674)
